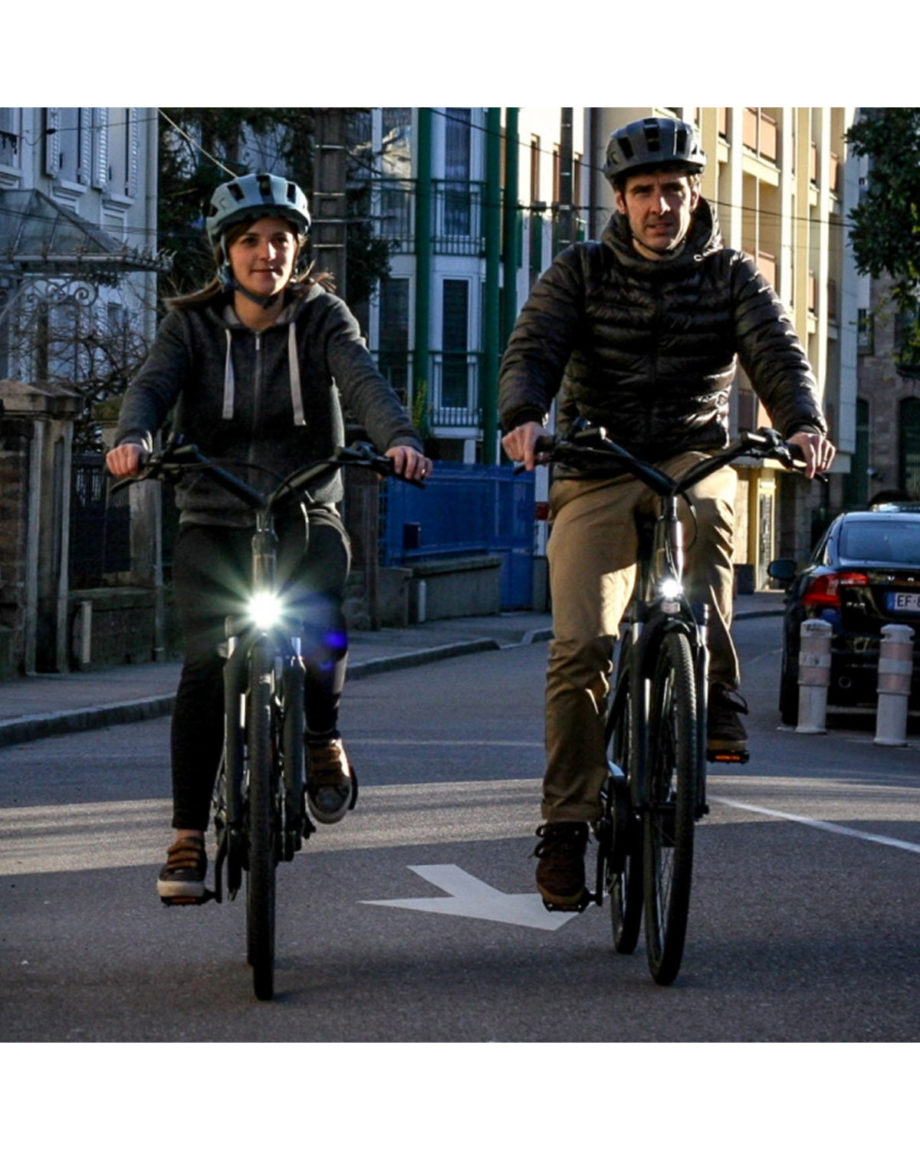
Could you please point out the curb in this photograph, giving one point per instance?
(32, 727)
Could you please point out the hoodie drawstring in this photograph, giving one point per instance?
(229, 381)
(293, 372)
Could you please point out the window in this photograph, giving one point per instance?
(457, 160)
(454, 336)
(865, 332)
(393, 349)
(396, 192)
(907, 340)
(74, 149)
(396, 142)
(122, 152)
(909, 447)
(10, 134)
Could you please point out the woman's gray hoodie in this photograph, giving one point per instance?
(263, 403)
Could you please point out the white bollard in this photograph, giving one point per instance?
(895, 670)
(814, 675)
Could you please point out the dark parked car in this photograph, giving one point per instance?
(863, 574)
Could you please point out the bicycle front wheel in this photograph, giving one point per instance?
(623, 873)
(673, 785)
(260, 889)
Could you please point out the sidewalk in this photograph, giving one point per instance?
(41, 705)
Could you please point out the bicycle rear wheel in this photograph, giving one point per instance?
(673, 786)
(260, 889)
(623, 870)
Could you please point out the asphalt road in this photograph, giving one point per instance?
(414, 921)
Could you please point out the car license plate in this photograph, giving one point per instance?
(907, 602)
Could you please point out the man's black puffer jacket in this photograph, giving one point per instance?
(648, 349)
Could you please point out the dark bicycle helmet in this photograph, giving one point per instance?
(653, 144)
(250, 197)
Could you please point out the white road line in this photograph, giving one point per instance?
(819, 825)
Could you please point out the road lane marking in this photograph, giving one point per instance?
(820, 825)
(467, 897)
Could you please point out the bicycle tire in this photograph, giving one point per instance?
(291, 723)
(260, 888)
(674, 771)
(623, 876)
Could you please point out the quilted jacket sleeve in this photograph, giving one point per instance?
(771, 354)
(538, 350)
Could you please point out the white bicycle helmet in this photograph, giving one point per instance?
(656, 143)
(250, 197)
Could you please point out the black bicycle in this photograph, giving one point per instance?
(655, 790)
(260, 809)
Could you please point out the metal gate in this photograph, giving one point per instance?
(465, 509)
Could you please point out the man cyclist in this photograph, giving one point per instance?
(641, 332)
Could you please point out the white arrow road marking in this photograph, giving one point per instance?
(470, 898)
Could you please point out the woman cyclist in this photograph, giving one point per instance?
(252, 368)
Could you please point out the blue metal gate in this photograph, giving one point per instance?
(465, 509)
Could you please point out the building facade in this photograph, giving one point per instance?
(77, 305)
(478, 201)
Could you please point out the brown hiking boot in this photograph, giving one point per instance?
(725, 734)
(561, 869)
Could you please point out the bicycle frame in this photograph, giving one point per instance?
(260, 811)
(658, 711)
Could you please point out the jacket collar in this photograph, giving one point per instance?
(704, 238)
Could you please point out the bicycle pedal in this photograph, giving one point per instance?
(727, 756)
(570, 907)
(180, 900)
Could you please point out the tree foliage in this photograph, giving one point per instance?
(885, 231)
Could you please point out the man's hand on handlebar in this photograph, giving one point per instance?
(520, 444)
(817, 451)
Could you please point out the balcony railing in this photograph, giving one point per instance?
(456, 215)
(453, 385)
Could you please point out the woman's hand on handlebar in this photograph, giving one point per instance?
(817, 451)
(409, 463)
(520, 444)
(126, 460)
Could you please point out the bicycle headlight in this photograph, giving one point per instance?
(670, 589)
(265, 610)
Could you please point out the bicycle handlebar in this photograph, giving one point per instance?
(177, 457)
(586, 441)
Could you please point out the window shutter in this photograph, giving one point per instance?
(131, 189)
(85, 159)
(52, 141)
(101, 147)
